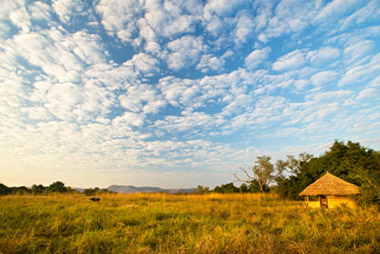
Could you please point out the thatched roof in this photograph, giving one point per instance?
(330, 185)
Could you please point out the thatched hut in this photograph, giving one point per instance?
(331, 191)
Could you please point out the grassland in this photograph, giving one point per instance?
(162, 223)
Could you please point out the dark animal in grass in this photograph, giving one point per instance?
(95, 199)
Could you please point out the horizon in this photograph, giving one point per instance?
(177, 94)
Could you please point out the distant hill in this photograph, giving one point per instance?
(78, 189)
(146, 189)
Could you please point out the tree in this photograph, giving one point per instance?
(38, 189)
(56, 187)
(288, 183)
(350, 161)
(260, 174)
(226, 188)
(4, 190)
(243, 188)
(21, 190)
(91, 191)
(202, 190)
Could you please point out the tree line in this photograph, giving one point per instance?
(56, 187)
(349, 161)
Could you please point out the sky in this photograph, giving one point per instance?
(180, 93)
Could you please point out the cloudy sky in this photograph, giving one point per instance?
(179, 93)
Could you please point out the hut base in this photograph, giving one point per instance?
(333, 202)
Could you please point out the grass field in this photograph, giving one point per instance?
(163, 223)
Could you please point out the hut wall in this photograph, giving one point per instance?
(335, 201)
(313, 204)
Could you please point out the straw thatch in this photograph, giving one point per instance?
(330, 185)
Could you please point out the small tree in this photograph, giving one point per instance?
(243, 188)
(226, 188)
(4, 190)
(38, 189)
(202, 190)
(56, 187)
(261, 173)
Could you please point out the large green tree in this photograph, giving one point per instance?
(4, 190)
(57, 187)
(226, 188)
(351, 162)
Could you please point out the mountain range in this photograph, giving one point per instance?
(146, 189)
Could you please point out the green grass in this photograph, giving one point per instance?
(161, 223)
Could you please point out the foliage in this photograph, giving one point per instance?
(259, 175)
(38, 189)
(4, 190)
(350, 161)
(56, 187)
(243, 188)
(21, 190)
(369, 176)
(202, 190)
(91, 191)
(95, 191)
(226, 188)
(163, 223)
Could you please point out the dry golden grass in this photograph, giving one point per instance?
(164, 223)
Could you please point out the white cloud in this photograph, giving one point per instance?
(362, 73)
(217, 18)
(323, 56)
(185, 51)
(368, 13)
(58, 54)
(290, 16)
(214, 24)
(324, 78)
(264, 12)
(170, 18)
(70, 102)
(290, 61)
(209, 62)
(6, 9)
(119, 17)
(142, 99)
(222, 7)
(62, 99)
(52, 58)
(356, 52)
(329, 96)
(336, 9)
(177, 91)
(12, 93)
(191, 123)
(21, 19)
(69, 105)
(87, 47)
(300, 84)
(368, 94)
(144, 63)
(244, 27)
(256, 57)
(68, 9)
(127, 120)
(40, 11)
(148, 35)
(36, 113)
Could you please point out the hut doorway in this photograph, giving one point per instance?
(323, 201)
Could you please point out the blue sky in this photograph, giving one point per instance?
(180, 93)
